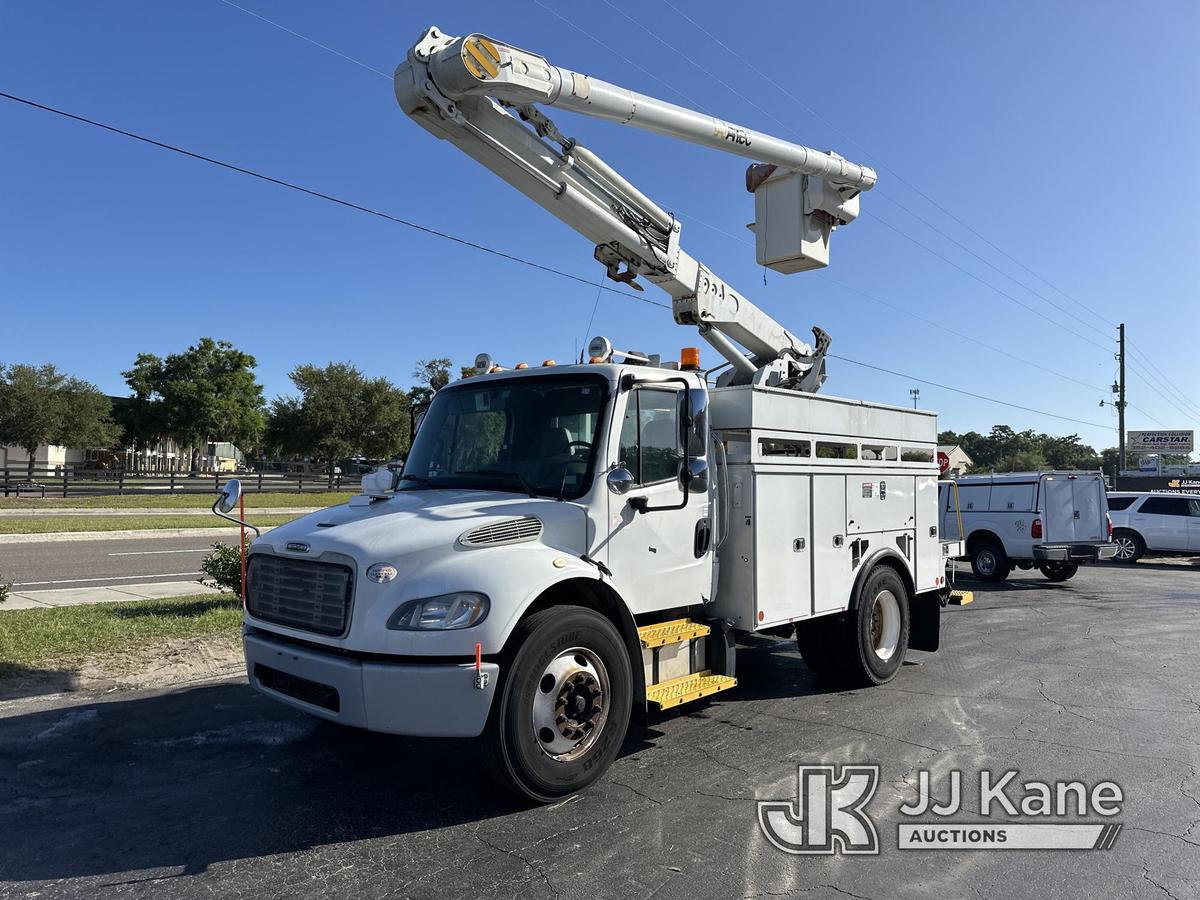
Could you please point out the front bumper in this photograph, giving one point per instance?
(1073, 552)
(421, 699)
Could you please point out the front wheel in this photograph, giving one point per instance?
(563, 706)
(877, 628)
(1058, 571)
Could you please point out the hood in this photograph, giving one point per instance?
(412, 521)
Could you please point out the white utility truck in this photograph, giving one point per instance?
(1052, 520)
(569, 544)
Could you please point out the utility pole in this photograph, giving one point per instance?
(1121, 402)
(915, 393)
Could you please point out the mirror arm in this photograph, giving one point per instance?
(235, 521)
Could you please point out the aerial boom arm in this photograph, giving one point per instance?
(466, 90)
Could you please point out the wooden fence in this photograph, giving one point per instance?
(59, 481)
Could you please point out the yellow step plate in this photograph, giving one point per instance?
(961, 598)
(687, 688)
(674, 632)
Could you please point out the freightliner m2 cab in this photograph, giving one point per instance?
(567, 545)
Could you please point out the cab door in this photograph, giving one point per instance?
(660, 558)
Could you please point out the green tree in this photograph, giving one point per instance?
(206, 393)
(432, 375)
(339, 413)
(40, 405)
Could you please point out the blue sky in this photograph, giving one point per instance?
(1065, 133)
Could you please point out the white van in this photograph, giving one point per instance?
(1052, 520)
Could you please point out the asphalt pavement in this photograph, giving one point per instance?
(86, 563)
(214, 791)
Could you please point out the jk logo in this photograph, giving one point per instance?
(827, 815)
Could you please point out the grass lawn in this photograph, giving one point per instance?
(45, 524)
(178, 501)
(66, 636)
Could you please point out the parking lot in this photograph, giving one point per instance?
(210, 790)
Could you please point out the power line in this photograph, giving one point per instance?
(1166, 382)
(304, 37)
(466, 243)
(1191, 417)
(322, 196)
(946, 387)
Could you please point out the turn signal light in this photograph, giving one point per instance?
(1035, 528)
(689, 359)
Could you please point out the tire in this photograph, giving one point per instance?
(819, 645)
(563, 704)
(989, 562)
(876, 629)
(1130, 546)
(1059, 571)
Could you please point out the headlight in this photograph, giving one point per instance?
(381, 573)
(444, 613)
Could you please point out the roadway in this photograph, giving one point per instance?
(213, 790)
(104, 563)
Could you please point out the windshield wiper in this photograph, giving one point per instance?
(501, 473)
(421, 479)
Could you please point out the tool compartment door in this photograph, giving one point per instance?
(927, 562)
(782, 548)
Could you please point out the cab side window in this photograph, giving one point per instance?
(651, 448)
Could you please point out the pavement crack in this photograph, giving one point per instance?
(1146, 877)
(518, 855)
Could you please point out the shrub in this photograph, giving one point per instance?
(223, 567)
(5, 589)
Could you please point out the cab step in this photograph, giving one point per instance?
(961, 598)
(687, 688)
(674, 632)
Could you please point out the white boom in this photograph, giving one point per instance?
(478, 93)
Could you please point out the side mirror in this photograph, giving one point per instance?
(620, 480)
(231, 493)
(697, 478)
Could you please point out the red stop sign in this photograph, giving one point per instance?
(943, 462)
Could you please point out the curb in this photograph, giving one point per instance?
(130, 534)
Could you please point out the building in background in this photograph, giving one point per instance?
(960, 460)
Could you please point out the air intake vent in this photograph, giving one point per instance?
(510, 531)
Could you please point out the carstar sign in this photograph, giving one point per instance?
(1160, 441)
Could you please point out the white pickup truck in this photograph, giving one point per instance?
(1051, 520)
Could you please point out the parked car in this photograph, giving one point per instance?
(1051, 520)
(1161, 523)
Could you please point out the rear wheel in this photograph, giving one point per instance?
(1130, 546)
(876, 629)
(563, 706)
(1059, 571)
(989, 562)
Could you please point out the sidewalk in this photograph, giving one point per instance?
(84, 595)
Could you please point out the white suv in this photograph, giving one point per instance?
(1160, 523)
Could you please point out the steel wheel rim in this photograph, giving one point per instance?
(570, 704)
(885, 625)
(1125, 547)
(986, 562)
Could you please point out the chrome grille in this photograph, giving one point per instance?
(510, 531)
(301, 593)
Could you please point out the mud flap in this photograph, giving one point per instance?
(925, 630)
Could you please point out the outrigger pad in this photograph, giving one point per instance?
(925, 631)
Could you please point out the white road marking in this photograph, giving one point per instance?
(152, 552)
(108, 578)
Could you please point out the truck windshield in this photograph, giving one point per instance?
(530, 435)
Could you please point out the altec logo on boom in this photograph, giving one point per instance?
(829, 814)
